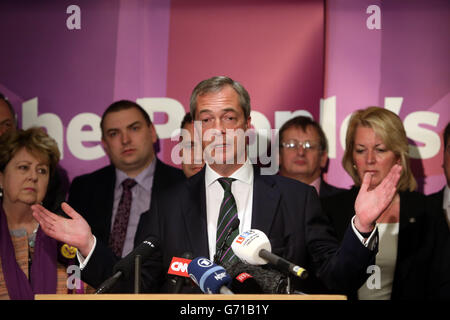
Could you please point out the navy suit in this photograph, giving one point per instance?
(286, 210)
(92, 195)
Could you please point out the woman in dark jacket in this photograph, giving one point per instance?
(410, 243)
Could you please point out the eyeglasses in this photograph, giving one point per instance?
(295, 144)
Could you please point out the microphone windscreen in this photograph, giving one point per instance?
(244, 283)
(145, 250)
(207, 275)
(269, 279)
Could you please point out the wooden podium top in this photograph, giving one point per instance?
(189, 297)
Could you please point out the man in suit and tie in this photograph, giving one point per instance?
(304, 154)
(112, 198)
(441, 199)
(190, 217)
(438, 205)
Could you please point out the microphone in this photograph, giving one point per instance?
(253, 247)
(210, 277)
(233, 226)
(178, 268)
(269, 280)
(245, 283)
(124, 267)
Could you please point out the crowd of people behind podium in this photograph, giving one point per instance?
(112, 210)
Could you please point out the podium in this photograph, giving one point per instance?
(210, 297)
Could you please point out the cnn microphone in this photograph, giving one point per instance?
(210, 277)
(253, 247)
(178, 268)
(125, 266)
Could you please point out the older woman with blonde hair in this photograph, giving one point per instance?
(376, 141)
(30, 261)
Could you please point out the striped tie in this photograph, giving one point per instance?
(227, 213)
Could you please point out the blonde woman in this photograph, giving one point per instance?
(375, 142)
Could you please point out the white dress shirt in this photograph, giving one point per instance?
(446, 204)
(242, 190)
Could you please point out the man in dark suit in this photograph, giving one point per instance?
(286, 210)
(438, 205)
(128, 137)
(189, 216)
(441, 199)
(304, 154)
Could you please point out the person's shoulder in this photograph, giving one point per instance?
(340, 198)
(95, 176)
(327, 190)
(436, 195)
(169, 171)
(183, 186)
(413, 197)
(284, 183)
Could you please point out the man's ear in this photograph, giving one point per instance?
(105, 146)
(248, 123)
(323, 159)
(153, 133)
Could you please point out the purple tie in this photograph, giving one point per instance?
(119, 230)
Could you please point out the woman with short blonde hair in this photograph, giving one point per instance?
(376, 141)
(388, 126)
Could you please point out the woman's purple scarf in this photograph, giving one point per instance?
(43, 269)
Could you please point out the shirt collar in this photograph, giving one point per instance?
(143, 179)
(446, 202)
(243, 174)
(316, 184)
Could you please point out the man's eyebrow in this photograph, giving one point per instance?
(133, 124)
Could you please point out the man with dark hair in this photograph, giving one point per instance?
(192, 159)
(438, 206)
(442, 197)
(304, 154)
(7, 115)
(113, 198)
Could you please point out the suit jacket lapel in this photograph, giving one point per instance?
(194, 213)
(266, 200)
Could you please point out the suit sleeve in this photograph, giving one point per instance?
(76, 196)
(341, 268)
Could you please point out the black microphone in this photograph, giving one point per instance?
(246, 284)
(233, 226)
(124, 267)
(180, 281)
(269, 279)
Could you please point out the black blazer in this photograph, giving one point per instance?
(286, 210)
(418, 245)
(327, 190)
(441, 261)
(92, 195)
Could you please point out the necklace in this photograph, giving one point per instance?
(32, 237)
